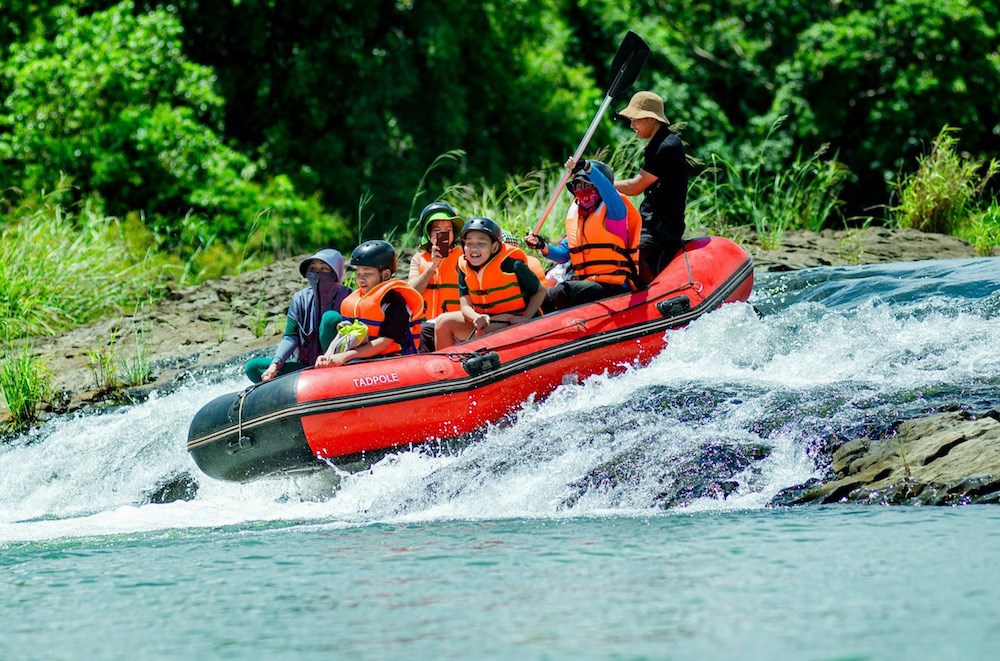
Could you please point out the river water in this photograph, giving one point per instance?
(626, 517)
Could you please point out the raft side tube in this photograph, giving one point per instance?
(247, 452)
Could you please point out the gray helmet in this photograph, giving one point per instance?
(481, 224)
(600, 165)
(378, 254)
(605, 170)
(330, 257)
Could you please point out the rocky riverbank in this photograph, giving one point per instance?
(224, 321)
(944, 459)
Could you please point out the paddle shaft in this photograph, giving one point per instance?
(576, 157)
(628, 62)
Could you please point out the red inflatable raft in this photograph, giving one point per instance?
(351, 415)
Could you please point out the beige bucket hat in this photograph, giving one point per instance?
(645, 104)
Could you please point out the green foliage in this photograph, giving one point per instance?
(205, 122)
(25, 384)
(983, 231)
(113, 102)
(876, 81)
(942, 195)
(354, 96)
(59, 268)
(803, 195)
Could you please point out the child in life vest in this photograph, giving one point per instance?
(434, 266)
(495, 284)
(391, 309)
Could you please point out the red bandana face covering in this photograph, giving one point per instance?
(588, 198)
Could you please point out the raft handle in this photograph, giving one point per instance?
(240, 444)
(481, 363)
(674, 306)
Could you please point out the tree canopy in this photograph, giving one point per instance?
(206, 117)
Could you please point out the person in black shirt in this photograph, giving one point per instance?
(664, 180)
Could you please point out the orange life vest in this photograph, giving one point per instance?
(536, 268)
(491, 290)
(368, 309)
(441, 294)
(599, 254)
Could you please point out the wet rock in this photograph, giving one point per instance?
(713, 471)
(178, 487)
(871, 245)
(948, 458)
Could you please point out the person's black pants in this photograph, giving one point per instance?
(655, 252)
(577, 292)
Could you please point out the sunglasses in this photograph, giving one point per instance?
(578, 185)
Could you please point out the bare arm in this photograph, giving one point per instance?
(472, 315)
(418, 280)
(534, 303)
(366, 350)
(636, 184)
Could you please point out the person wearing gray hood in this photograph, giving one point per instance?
(313, 315)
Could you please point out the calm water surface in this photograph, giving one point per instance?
(824, 583)
(552, 535)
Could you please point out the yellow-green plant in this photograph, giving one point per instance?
(943, 194)
(103, 366)
(259, 319)
(25, 383)
(221, 325)
(983, 231)
(134, 363)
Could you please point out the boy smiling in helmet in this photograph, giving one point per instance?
(391, 309)
(496, 287)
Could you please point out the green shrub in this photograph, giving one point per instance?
(25, 384)
(113, 103)
(942, 195)
(880, 76)
(983, 231)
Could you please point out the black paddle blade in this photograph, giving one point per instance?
(627, 64)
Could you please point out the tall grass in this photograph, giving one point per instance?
(769, 198)
(25, 384)
(943, 195)
(58, 270)
(64, 264)
(737, 199)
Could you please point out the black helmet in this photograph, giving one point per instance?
(379, 254)
(439, 208)
(600, 165)
(481, 224)
(605, 170)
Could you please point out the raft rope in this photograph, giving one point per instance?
(239, 414)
